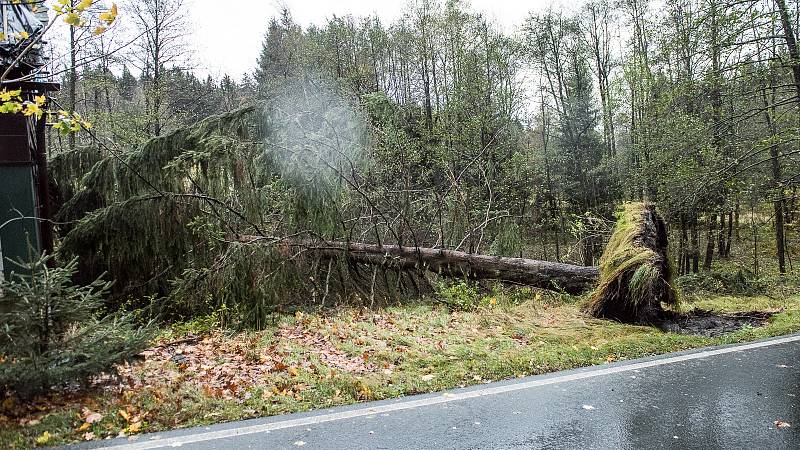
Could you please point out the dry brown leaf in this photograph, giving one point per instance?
(779, 424)
(93, 417)
(124, 414)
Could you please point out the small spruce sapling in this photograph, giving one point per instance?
(53, 333)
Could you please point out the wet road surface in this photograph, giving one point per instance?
(725, 397)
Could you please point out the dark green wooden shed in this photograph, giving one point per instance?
(24, 199)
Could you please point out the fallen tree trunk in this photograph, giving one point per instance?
(632, 283)
(560, 277)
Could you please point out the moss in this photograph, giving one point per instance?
(635, 273)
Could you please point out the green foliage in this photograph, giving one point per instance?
(54, 332)
(459, 296)
(735, 282)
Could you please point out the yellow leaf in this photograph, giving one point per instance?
(32, 109)
(83, 427)
(40, 100)
(9, 95)
(2, 36)
(24, 35)
(135, 427)
(44, 438)
(293, 371)
(72, 19)
(109, 16)
(84, 4)
(124, 414)
(99, 30)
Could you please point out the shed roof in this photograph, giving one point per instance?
(17, 21)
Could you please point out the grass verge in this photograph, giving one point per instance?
(310, 361)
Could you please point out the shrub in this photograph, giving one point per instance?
(459, 296)
(727, 282)
(53, 332)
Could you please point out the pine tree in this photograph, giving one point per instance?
(54, 332)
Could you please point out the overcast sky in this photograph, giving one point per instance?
(228, 39)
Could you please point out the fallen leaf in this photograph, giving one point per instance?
(428, 377)
(124, 414)
(779, 424)
(293, 371)
(135, 427)
(88, 436)
(83, 427)
(44, 438)
(93, 417)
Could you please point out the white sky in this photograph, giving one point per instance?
(228, 39)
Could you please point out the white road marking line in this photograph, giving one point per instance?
(178, 441)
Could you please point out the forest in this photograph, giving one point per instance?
(436, 131)
(369, 176)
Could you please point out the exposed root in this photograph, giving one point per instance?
(635, 271)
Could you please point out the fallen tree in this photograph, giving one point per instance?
(541, 274)
(632, 282)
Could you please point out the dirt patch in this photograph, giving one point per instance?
(710, 323)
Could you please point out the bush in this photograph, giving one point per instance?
(459, 296)
(726, 282)
(53, 332)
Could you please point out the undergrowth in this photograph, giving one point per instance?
(305, 361)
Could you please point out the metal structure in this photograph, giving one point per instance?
(24, 198)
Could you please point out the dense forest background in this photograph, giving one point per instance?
(436, 130)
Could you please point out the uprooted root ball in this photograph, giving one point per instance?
(635, 273)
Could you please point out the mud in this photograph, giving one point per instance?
(711, 323)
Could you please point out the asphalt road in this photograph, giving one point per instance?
(725, 397)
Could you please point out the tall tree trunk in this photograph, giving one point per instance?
(712, 226)
(695, 245)
(791, 44)
(794, 54)
(721, 235)
(730, 235)
(73, 80)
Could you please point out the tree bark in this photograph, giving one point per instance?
(542, 274)
(712, 226)
(695, 244)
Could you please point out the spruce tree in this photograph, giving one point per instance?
(53, 332)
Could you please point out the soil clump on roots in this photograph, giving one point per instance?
(635, 271)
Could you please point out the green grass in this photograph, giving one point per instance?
(409, 349)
